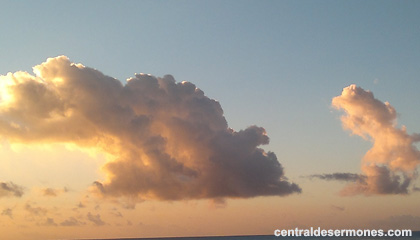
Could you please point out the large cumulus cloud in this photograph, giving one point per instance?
(391, 164)
(168, 139)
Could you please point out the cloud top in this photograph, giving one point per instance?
(170, 141)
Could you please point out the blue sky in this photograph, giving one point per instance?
(275, 64)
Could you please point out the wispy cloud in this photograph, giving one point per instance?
(96, 219)
(347, 177)
(49, 222)
(70, 222)
(7, 212)
(8, 189)
(338, 208)
(116, 213)
(35, 211)
(170, 141)
(52, 192)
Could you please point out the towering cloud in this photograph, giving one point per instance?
(390, 165)
(170, 141)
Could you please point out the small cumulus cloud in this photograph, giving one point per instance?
(116, 213)
(71, 222)
(96, 219)
(49, 222)
(9, 189)
(390, 165)
(35, 211)
(52, 192)
(7, 212)
(169, 140)
(49, 192)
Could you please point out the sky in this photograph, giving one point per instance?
(194, 118)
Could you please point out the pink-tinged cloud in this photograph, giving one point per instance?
(169, 140)
(390, 165)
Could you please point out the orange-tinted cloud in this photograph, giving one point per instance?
(170, 141)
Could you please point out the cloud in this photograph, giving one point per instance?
(338, 208)
(116, 213)
(49, 222)
(70, 222)
(96, 219)
(10, 189)
(217, 203)
(390, 165)
(169, 140)
(347, 177)
(7, 212)
(51, 192)
(81, 205)
(35, 211)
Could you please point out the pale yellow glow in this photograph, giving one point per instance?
(5, 95)
(58, 80)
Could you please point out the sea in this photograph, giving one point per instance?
(415, 235)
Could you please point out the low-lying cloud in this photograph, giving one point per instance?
(170, 141)
(347, 177)
(35, 211)
(95, 219)
(71, 222)
(7, 212)
(390, 165)
(10, 189)
(52, 192)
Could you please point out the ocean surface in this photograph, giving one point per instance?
(416, 235)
